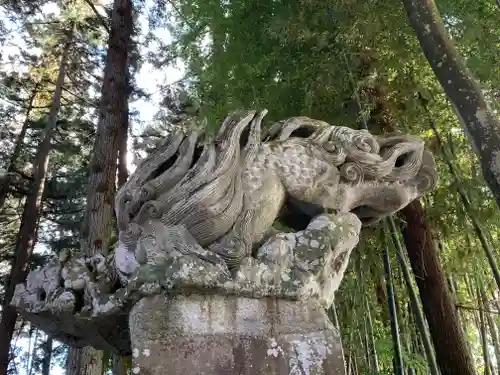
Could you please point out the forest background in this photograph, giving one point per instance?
(186, 61)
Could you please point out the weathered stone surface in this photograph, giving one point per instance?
(57, 298)
(78, 330)
(197, 217)
(216, 335)
(307, 265)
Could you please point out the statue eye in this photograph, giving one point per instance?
(403, 159)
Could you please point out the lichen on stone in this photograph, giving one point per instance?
(197, 217)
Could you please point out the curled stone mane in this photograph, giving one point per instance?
(190, 182)
(374, 170)
(360, 155)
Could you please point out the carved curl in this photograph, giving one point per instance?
(378, 174)
(186, 182)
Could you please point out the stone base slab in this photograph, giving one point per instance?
(216, 335)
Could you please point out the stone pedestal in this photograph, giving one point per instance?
(199, 215)
(230, 335)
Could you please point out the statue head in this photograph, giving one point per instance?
(375, 176)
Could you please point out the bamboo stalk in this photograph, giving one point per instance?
(463, 196)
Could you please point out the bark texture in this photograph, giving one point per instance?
(98, 221)
(97, 225)
(26, 237)
(84, 361)
(122, 148)
(479, 122)
(451, 350)
(119, 363)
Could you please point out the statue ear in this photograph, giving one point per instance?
(427, 178)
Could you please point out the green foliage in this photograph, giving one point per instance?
(292, 58)
(26, 92)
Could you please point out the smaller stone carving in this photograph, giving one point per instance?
(43, 287)
(73, 297)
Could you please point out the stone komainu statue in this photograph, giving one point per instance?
(228, 193)
(197, 217)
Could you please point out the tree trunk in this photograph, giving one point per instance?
(494, 339)
(27, 233)
(417, 312)
(411, 342)
(451, 350)
(355, 367)
(47, 356)
(98, 221)
(84, 361)
(119, 363)
(97, 224)
(122, 157)
(29, 351)
(479, 122)
(5, 183)
(33, 352)
(122, 148)
(461, 318)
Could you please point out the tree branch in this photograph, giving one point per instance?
(98, 15)
(476, 309)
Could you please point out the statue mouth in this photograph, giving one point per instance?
(297, 215)
(367, 214)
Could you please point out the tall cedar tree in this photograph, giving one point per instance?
(478, 120)
(452, 354)
(5, 183)
(27, 234)
(97, 225)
